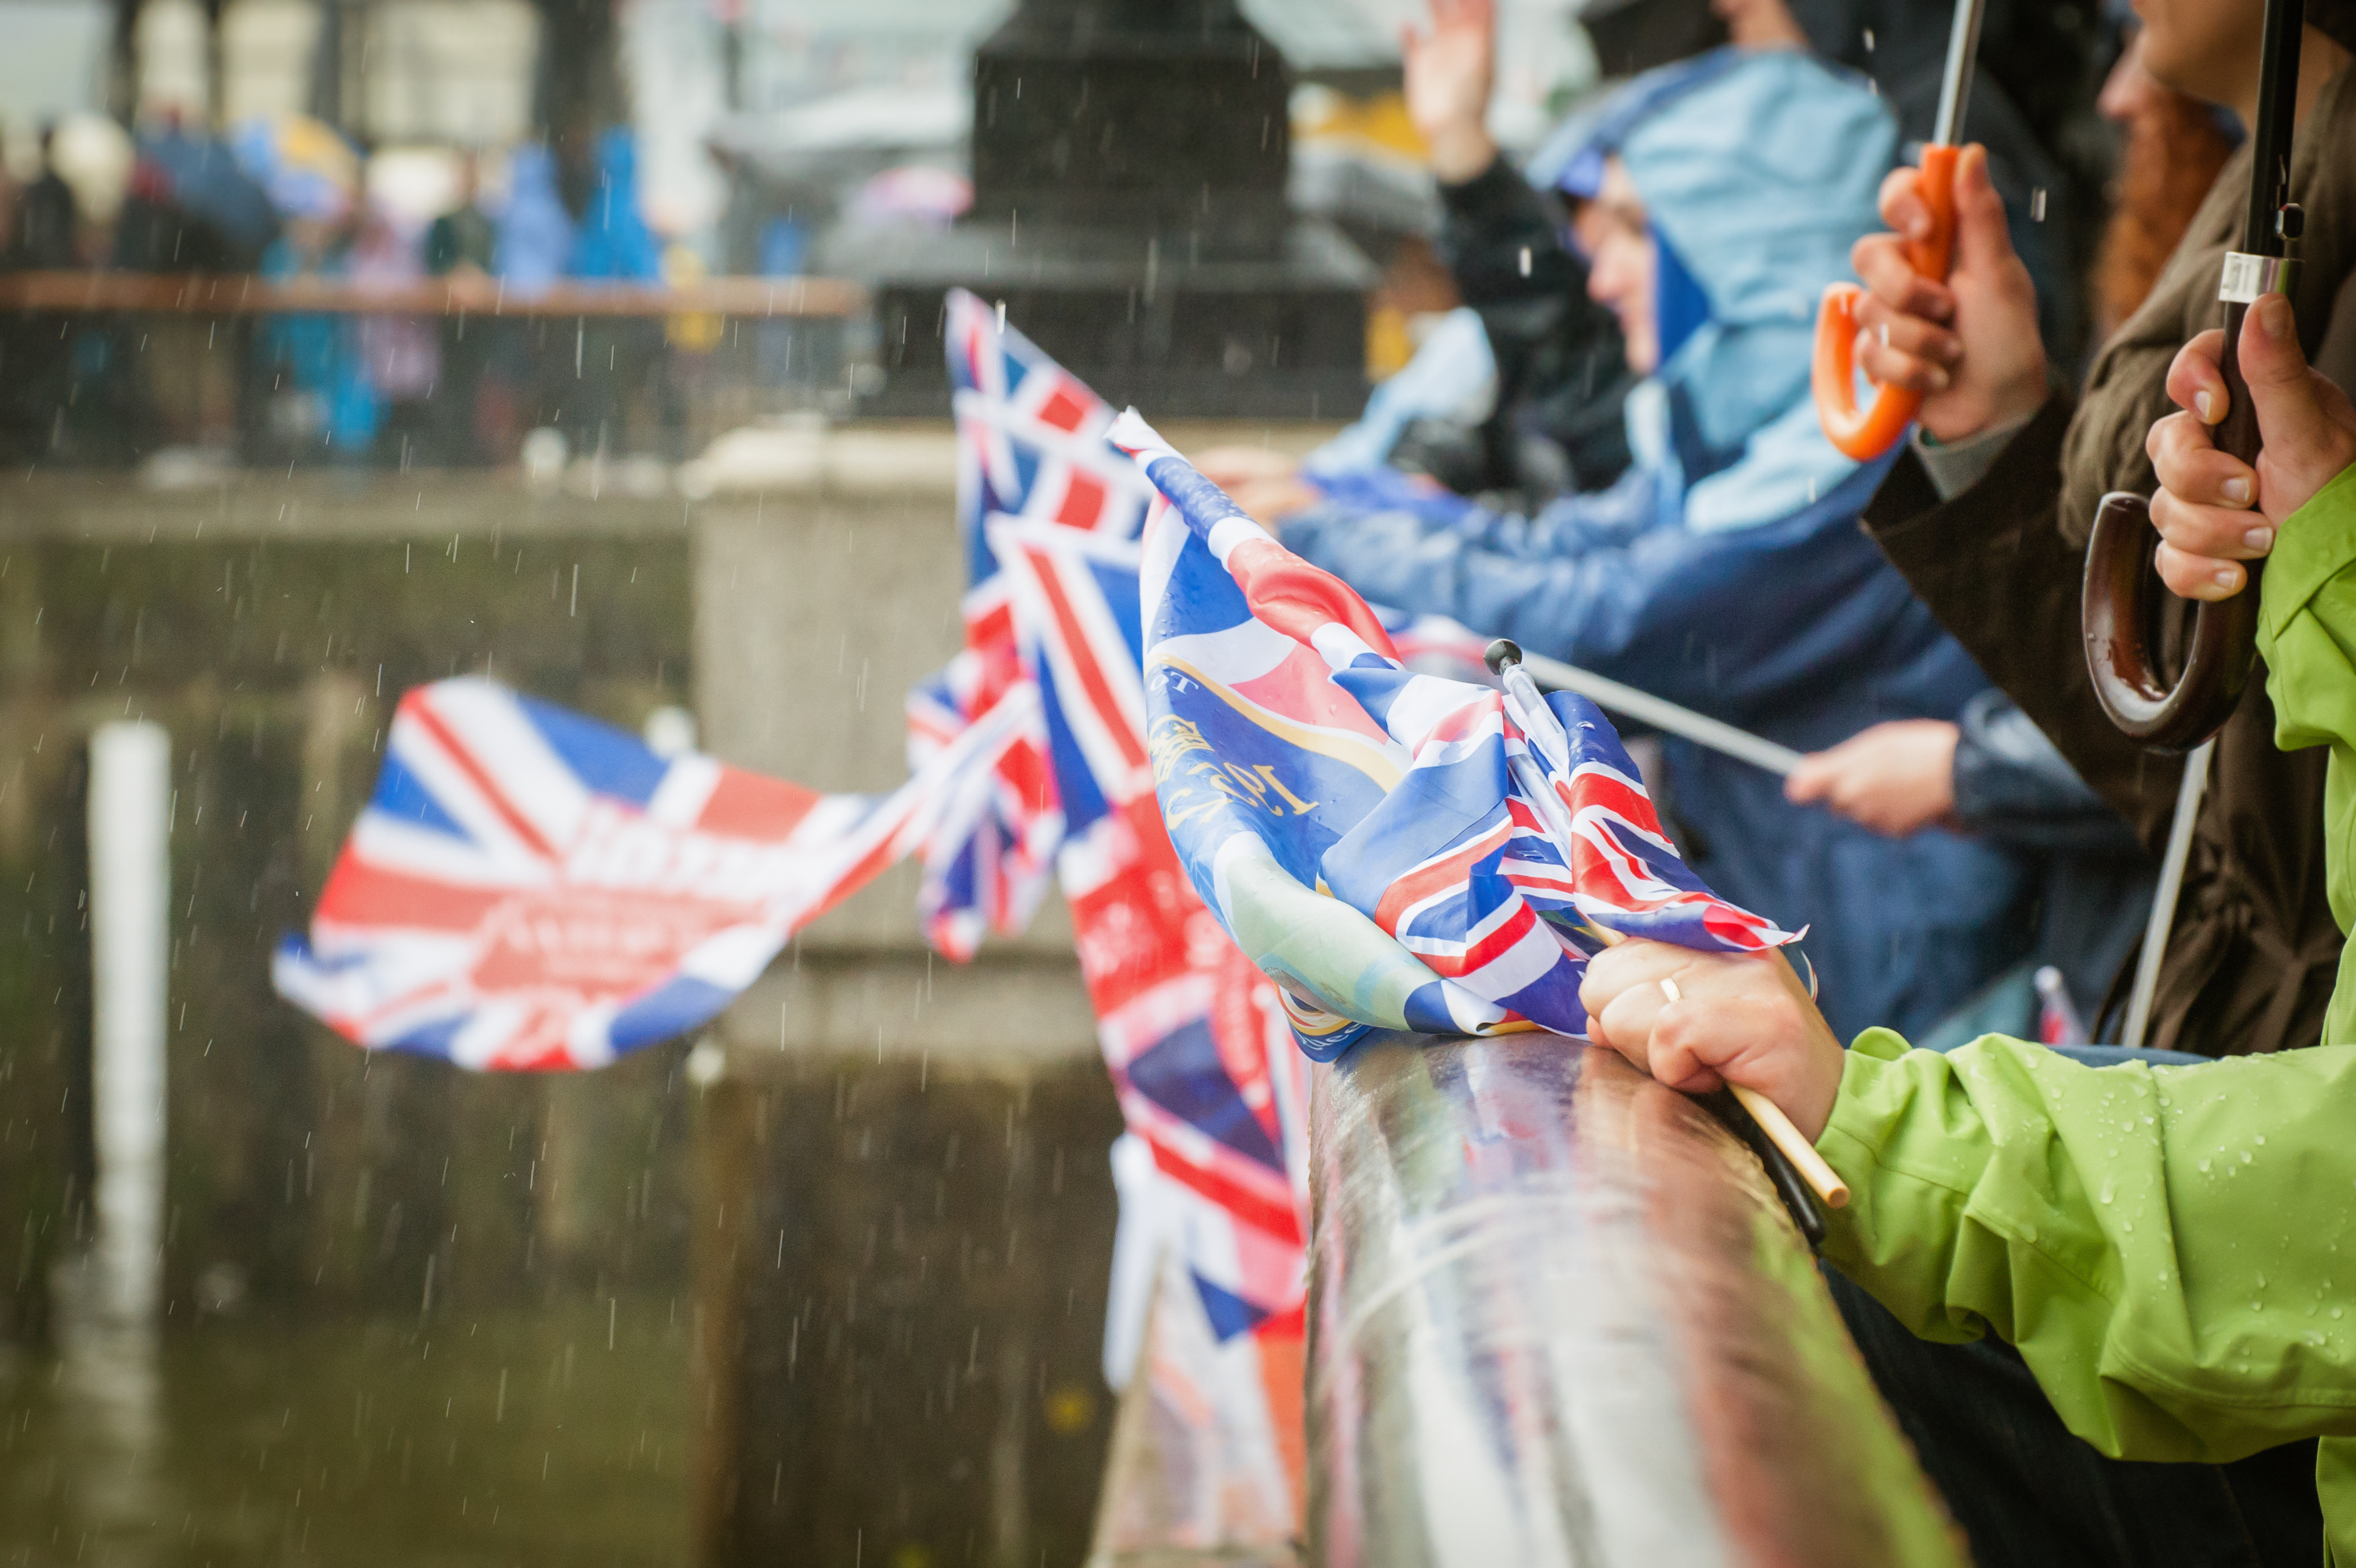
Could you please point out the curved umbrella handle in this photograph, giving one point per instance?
(2116, 604)
(1866, 432)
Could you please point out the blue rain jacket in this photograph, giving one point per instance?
(1727, 570)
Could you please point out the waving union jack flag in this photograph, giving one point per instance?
(1030, 444)
(529, 889)
(1213, 1177)
(1395, 850)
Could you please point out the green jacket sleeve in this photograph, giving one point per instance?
(2170, 1248)
(2306, 633)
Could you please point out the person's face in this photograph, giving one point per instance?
(1623, 264)
(2206, 47)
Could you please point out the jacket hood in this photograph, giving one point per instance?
(1760, 178)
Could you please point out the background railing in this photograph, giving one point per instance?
(1558, 1316)
(112, 368)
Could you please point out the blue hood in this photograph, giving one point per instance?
(1760, 169)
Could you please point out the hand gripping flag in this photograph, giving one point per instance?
(1395, 850)
(1030, 444)
(529, 889)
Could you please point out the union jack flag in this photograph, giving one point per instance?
(1031, 445)
(1198, 1046)
(1395, 850)
(528, 888)
(1213, 1200)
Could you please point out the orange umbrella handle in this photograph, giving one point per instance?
(1866, 432)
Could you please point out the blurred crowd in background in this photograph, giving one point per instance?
(512, 148)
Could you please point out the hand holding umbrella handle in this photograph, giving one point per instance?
(2121, 594)
(1864, 434)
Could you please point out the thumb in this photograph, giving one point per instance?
(1983, 237)
(2274, 366)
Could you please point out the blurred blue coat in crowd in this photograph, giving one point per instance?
(535, 232)
(1726, 570)
(614, 241)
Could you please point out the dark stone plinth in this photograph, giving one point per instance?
(901, 1275)
(1132, 116)
(1129, 160)
(1281, 337)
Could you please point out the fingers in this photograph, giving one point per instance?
(1626, 1026)
(1904, 342)
(2190, 576)
(1891, 282)
(1983, 235)
(1903, 351)
(2203, 512)
(1889, 366)
(1739, 1018)
(1902, 207)
(1813, 778)
(2195, 380)
(1635, 965)
(2194, 472)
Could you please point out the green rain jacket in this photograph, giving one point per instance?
(2173, 1249)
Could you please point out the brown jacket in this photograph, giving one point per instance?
(2254, 949)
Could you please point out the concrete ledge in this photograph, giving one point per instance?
(355, 506)
(1000, 1011)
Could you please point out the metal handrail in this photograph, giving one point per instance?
(1558, 1316)
(242, 293)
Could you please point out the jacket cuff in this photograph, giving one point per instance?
(1954, 466)
(1499, 186)
(1908, 513)
(2317, 544)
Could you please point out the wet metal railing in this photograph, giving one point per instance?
(1558, 1316)
(94, 292)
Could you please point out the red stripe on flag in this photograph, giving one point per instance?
(362, 894)
(1435, 875)
(1061, 411)
(745, 805)
(1278, 1219)
(1083, 500)
(1092, 677)
(1298, 598)
(416, 707)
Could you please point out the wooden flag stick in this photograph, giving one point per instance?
(1507, 659)
(1822, 1179)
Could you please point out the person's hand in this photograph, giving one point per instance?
(1968, 345)
(1739, 1018)
(2213, 511)
(1228, 467)
(1896, 778)
(1448, 73)
(1266, 484)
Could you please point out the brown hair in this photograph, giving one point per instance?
(2174, 149)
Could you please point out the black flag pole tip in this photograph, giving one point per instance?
(1500, 653)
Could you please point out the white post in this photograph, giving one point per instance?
(2163, 903)
(130, 894)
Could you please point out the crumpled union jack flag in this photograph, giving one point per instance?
(1360, 828)
(1030, 444)
(529, 889)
